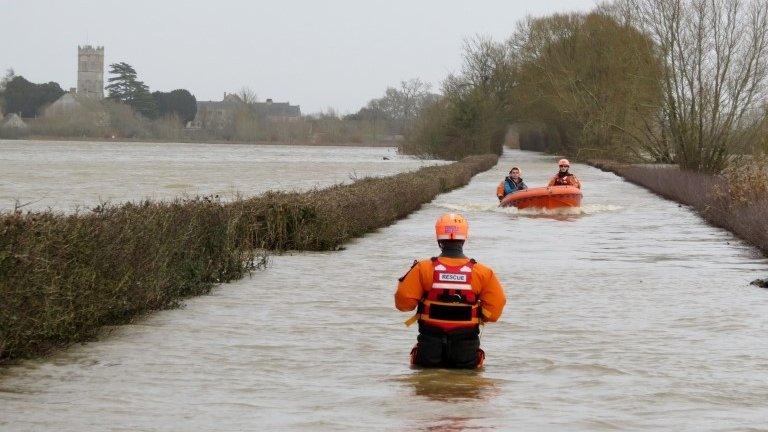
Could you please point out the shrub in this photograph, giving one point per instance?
(62, 277)
(736, 201)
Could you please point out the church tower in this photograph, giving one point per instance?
(90, 71)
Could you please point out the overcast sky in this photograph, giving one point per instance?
(317, 54)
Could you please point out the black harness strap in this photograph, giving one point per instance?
(402, 278)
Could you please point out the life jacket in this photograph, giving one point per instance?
(510, 183)
(514, 187)
(565, 180)
(449, 304)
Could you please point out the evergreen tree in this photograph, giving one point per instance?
(122, 86)
(180, 103)
(144, 104)
(27, 99)
(125, 87)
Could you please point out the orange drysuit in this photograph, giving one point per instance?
(414, 285)
(568, 180)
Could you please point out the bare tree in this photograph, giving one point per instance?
(248, 96)
(403, 104)
(246, 122)
(715, 55)
(487, 68)
(9, 75)
(584, 82)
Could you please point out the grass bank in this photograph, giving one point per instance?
(63, 277)
(736, 200)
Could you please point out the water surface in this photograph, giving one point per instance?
(64, 175)
(630, 315)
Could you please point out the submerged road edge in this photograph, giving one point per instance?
(707, 194)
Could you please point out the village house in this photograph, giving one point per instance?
(221, 114)
(216, 114)
(67, 103)
(278, 111)
(13, 121)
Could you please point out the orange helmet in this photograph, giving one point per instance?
(564, 162)
(451, 226)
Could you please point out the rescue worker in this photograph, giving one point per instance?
(511, 184)
(454, 296)
(563, 177)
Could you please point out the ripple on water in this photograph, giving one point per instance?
(632, 315)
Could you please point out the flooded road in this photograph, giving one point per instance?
(64, 175)
(632, 315)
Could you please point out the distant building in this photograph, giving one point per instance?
(221, 114)
(67, 103)
(13, 121)
(90, 72)
(278, 111)
(90, 82)
(216, 114)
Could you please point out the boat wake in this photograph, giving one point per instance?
(600, 208)
(470, 207)
(589, 209)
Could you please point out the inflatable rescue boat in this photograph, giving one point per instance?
(550, 197)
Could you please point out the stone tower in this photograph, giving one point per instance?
(90, 71)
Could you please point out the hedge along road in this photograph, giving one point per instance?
(633, 314)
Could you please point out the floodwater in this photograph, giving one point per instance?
(630, 315)
(67, 175)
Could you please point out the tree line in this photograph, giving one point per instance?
(20, 96)
(668, 81)
(125, 87)
(383, 119)
(131, 110)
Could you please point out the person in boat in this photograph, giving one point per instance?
(511, 184)
(564, 177)
(453, 296)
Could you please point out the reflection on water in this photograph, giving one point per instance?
(447, 385)
(453, 424)
(451, 386)
(633, 315)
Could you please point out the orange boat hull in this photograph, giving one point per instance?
(544, 197)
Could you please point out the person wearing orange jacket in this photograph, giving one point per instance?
(453, 296)
(563, 177)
